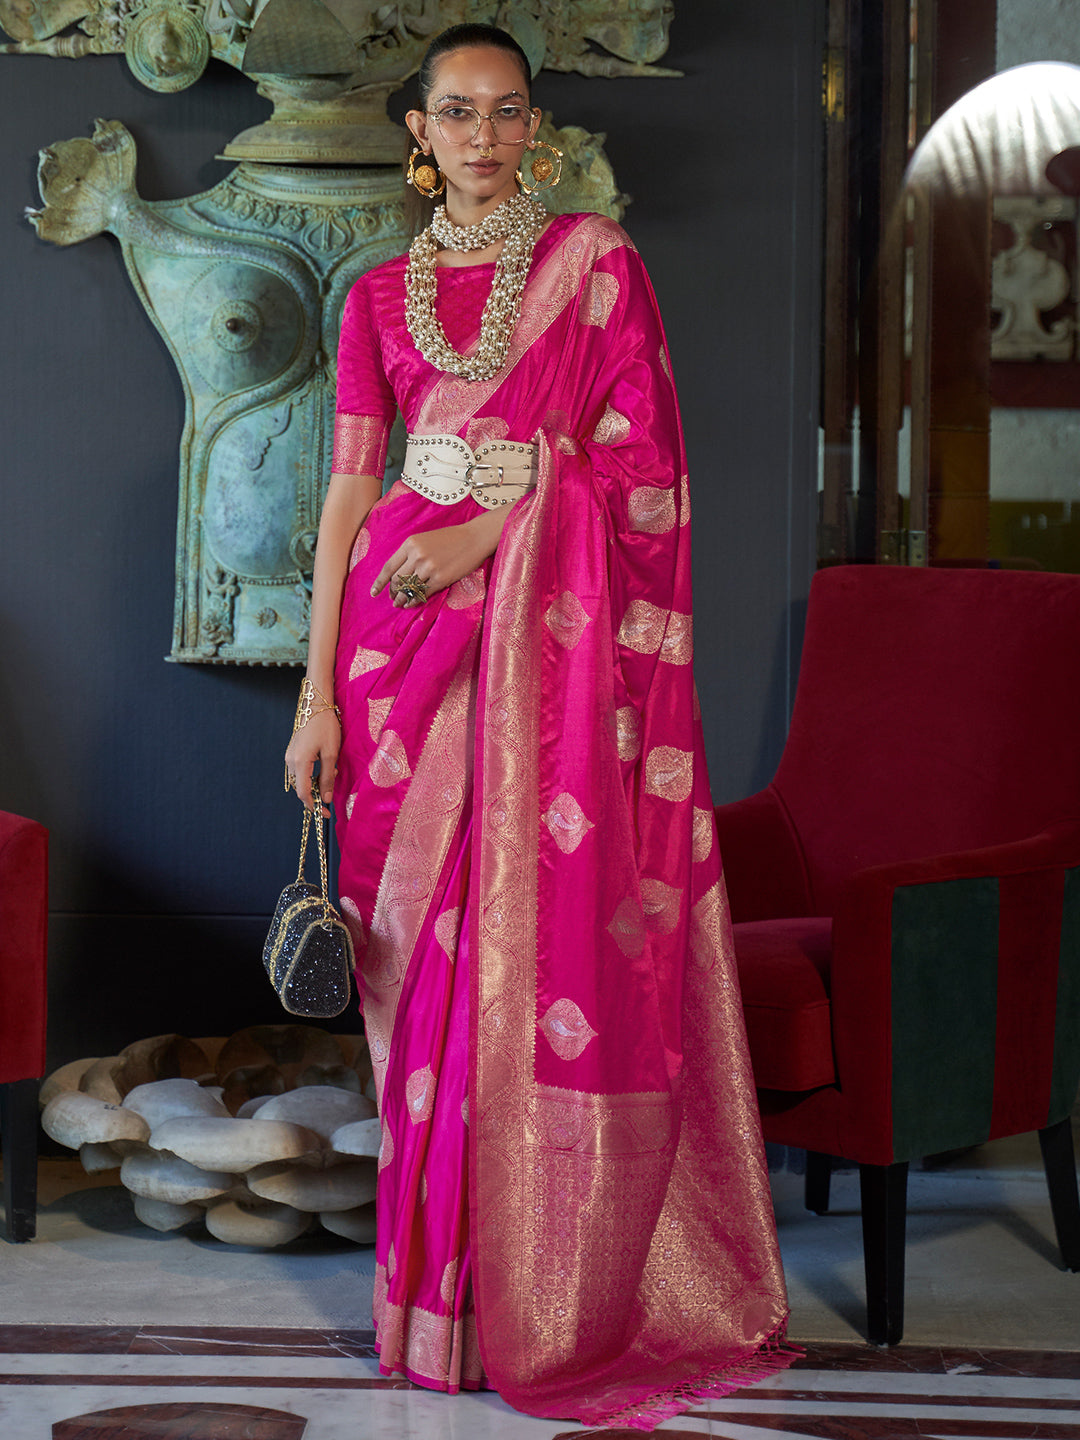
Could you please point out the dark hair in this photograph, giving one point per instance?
(418, 209)
(466, 37)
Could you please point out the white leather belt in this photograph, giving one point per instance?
(445, 469)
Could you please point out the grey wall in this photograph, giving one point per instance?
(161, 783)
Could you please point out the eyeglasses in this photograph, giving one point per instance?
(458, 124)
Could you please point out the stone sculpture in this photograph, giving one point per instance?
(246, 281)
(261, 1136)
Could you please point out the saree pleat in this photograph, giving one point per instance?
(531, 872)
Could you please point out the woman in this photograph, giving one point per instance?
(529, 865)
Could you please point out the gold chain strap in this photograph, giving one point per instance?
(315, 815)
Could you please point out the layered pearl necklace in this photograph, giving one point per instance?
(518, 221)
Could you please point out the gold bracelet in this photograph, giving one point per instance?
(311, 702)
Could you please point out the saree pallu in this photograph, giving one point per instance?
(531, 873)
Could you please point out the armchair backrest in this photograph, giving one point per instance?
(936, 711)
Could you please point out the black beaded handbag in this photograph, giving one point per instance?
(309, 952)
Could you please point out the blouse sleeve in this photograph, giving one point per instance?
(365, 401)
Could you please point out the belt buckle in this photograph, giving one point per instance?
(474, 465)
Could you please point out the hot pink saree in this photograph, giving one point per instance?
(573, 1204)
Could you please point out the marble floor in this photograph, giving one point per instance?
(109, 1331)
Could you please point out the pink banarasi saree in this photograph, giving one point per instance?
(573, 1206)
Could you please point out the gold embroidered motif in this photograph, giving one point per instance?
(634, 1124)
(704, 832)
(420, 1094)
(391, 1262)
(361, 546)
(651, 509)
(669, 773)
(465, 1109)
(684, 500)
(567, 822)
(566, 618)
(642, 627)
(485, 428)
(665, 363)
(446, 1284)
(446, 931)
(678, 646)
(599, 296)
(360, 445)
(350, 804)
(661, 903)
(386, 1148)
(628, 732)
(377, 711)
(438, 1347)
(353, 920)
(710, 927)
(627, 928)
(466, 591)
(612, 429)
(365, 660)
(566, 1029)
(389, 765)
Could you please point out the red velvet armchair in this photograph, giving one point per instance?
(23, 898)
(906, 892)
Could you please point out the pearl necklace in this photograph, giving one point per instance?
(517, 221)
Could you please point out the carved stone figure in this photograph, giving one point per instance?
(246, 284)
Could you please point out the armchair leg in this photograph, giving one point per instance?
(818, 1177)
(18, 1131)
(1059, 1161)
(884, 1221)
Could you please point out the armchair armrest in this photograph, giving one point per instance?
(949, 969)
(764, 866)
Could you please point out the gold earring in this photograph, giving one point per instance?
(424, 177)
(544, 174)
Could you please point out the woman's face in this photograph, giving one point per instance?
(481, 168)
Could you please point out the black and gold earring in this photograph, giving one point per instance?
(544, 173)
(424, 177)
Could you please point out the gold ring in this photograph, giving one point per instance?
(412, 587)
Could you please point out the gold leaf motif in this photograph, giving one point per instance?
(665, 363)
(628, 732)
(466, 591)
(684, 500)
(377, 711)
(599, 296)
(386, 1149)
(661, 903)
(651, 509)
(353, 920)
(420, 1094)
(704, 831)
(567, 618)
(389, 765)
(669, 773)
(365, 660)
(446, 1284)
(642, 627)
(360, 548)
(627, 928)
(465, 1110)
(678, 646)
(349, 805)
(391, 1262)
(567, 822)
(613, 428)
(566, 1029)
(446, 931)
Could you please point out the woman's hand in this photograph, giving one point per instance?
(318, 740)
(439, 557)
